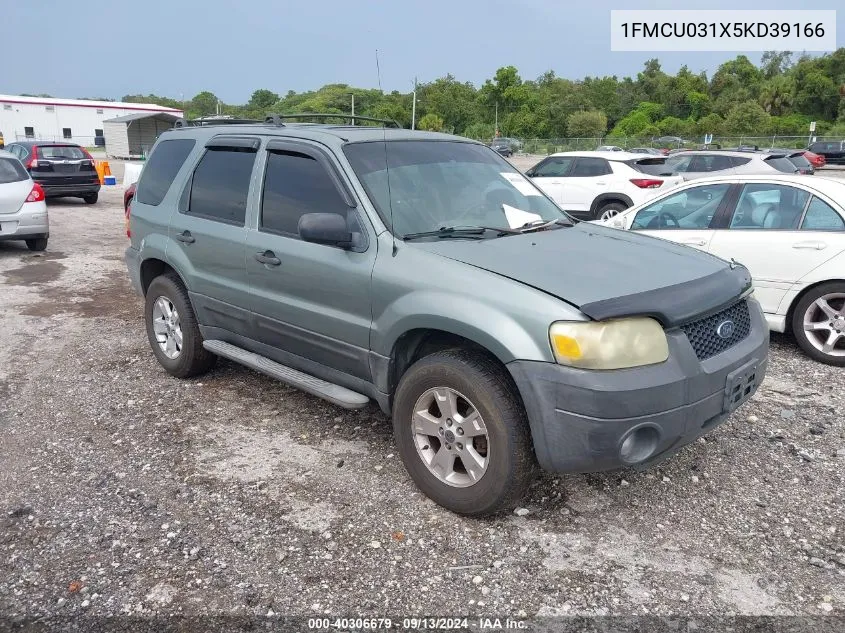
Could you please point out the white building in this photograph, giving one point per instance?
(72, 120)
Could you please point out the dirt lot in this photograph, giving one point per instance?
(123, 490)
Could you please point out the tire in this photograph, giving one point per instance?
(479, 382)
(90, 198)
(190, 358)
(37, 244)
(609, 210)
(831, 318)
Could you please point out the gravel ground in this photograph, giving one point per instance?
(123, 490)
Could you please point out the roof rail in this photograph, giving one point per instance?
(206, 122)
(278, 118)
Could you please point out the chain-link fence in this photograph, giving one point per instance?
(552, 145)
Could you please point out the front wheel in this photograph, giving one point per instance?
(172, 329)
(818, 323)
(462, 433)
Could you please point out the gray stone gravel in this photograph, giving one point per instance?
(123, 490)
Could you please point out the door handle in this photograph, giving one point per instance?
(810, 245)
(185, 236)
(268, 258)
(601, 183)
(698, 242)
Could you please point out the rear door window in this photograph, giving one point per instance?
(220, 185)
(161, 168)
(11, 170)
(590, 167)
(710, 162)
(769, 206)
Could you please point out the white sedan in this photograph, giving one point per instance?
(789, 231)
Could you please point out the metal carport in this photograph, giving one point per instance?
(133, 135)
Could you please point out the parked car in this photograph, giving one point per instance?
(646, 150)
(609, 148)
(62, 169)
(697, 164)
(796, 157)
(788, 230)
(816, 160)
(595, 185)
(424, 272)
(503, 146)
(23, 212)
(832, 151)
(672, 141)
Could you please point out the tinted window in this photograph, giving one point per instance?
(587, 167)
(553, 167)
(739, 161)
(782, 163)
(60, 152)
(652, 166)
(766, 206)
(693, 208)
(161, 168)
(220, 185)
(821, 217)
(11, 170)
(801, 162)
(710, 162)
(296, 184)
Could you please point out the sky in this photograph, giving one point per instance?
(178, 48)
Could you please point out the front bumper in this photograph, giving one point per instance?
(588, 421)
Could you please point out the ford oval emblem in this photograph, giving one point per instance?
(725, 329)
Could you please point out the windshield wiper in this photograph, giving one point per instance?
(461, 231)
(539, 225)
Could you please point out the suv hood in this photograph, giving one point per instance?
(607, 273)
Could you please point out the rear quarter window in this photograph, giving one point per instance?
(782, 163)
(11, 170)
(161, 168)
(650, 166)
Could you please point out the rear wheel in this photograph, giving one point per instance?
(607, 211)
(37, 244)
(818, 323)
(172, 329)
(90, 198)
(462, 432)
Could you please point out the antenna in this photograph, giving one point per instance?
(386, 161)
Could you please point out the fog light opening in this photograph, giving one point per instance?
(639, 444)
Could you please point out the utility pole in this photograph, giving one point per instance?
(497, 120)
(353, 108)
(414, 106)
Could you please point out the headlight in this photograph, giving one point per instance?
(609, 344)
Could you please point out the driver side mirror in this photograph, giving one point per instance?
(325, 228)
(530, 173)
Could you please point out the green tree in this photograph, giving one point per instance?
(431, 122)
(774, 63)
(776, 95)
(262, 99)
(587, 124)
(204, 104)
(747, 118)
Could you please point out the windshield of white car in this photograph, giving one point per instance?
(434, 184)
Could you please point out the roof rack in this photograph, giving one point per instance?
(204, 122)
(277, 119)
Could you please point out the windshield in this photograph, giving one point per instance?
(435, 184)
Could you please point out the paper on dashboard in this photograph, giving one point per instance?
(518, 218)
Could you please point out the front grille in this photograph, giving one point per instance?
(703, 334)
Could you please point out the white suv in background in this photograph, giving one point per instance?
(598, 185)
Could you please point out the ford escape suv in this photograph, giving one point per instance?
(422, 271)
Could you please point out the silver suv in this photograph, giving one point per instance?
(698, 164)
(423, 272)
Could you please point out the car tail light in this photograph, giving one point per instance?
(33, 161)
(126, 217)
(37, 193)
(647, 183)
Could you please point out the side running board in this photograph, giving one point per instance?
(341, 396)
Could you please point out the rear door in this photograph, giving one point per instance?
(207, 234)
(550, 176)
(63, 165)
(589, 177)
(780, 233)
(686, 217)
(310, 300)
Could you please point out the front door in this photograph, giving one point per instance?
(550, 176)
(685, 217)
(310, 300)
